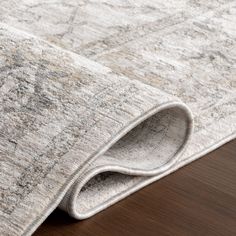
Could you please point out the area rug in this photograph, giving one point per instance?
(101, 98)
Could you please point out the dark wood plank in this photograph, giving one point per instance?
(199, 199)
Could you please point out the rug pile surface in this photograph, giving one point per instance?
(101, 98)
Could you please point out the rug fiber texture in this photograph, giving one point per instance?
(101, 98)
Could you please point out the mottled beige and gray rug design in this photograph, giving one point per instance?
(100, 98)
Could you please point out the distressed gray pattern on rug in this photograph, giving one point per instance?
(98, 99)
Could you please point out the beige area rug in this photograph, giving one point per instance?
(98, 99)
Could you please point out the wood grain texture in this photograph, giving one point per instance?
(199, 199)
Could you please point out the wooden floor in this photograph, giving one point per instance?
(199, 199)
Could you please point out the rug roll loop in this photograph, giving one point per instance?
(150, 146)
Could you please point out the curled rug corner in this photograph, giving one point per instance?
(65, 118)
(149, 146)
